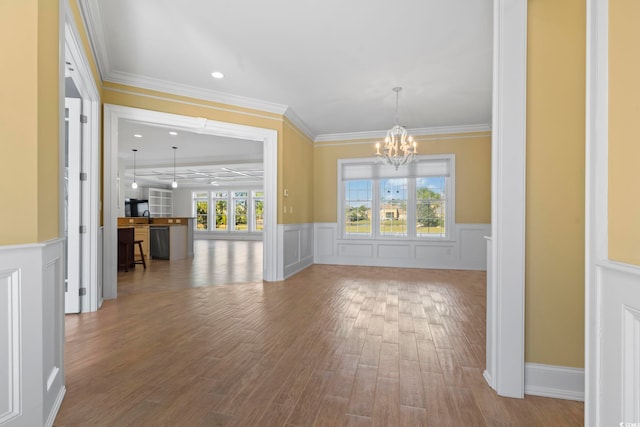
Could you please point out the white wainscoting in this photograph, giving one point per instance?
(466, 251)
(558, 382)
(618, 343)
(31, 333)
(296, 241)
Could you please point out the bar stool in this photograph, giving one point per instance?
(139, 243)
(125, 248)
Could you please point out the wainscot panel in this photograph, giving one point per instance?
(297, 247)
(465, 251)
(32, 333)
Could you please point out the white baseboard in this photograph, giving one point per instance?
(558, 382)
(56, 407)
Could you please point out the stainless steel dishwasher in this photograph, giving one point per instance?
(159, 239)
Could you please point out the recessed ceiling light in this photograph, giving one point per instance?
(137, 135)
(173, 133)
(217, 75)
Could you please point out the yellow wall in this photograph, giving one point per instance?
(554, 331)
(473, 172)
(29, 120)
(297, 176)
(624, 144)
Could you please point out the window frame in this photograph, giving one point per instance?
(230, 199)
(411, 213)
(197, 199)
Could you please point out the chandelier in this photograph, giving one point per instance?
(399, 148)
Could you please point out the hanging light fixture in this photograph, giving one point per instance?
(399, 148)
(174, 184)
(134, 184)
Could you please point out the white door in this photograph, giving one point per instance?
(73, 218)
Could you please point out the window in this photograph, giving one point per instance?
(393, 207)
(357, 210)
(221, 203)
(229, 211)
(414, 202)
(240, 212)
(430, 206)
(202, 210)
(258, 210)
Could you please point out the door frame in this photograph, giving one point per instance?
(505, 313)
(272, 253)
(596, 193)
(80, 72)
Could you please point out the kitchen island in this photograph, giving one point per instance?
(168, 238)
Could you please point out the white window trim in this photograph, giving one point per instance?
(450, 225)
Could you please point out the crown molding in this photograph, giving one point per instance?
(159, 85)
(92, 17)
(299, 123)
(436, 130)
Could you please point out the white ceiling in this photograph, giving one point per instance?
(200, 159)
(329, 65)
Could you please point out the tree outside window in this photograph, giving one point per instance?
(430, 206)
(259, 214)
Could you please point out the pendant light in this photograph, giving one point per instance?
(174, 184)
(134, 184)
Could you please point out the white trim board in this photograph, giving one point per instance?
(380, 134)
(558, 382)
(508, 201)
(82, 77)
(596, 196)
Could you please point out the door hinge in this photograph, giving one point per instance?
(83, 118)
(83, 229)
(82, 291)
(84, 176)
(66, 286)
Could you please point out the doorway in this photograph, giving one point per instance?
(80, 176)
(115, 115)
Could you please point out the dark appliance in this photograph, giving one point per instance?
(136, 207)
(159, 240)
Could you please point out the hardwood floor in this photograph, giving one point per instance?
(330, 346)
(216, 262)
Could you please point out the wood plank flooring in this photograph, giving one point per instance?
(332, 346)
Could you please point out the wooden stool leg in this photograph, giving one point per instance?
(144, 264)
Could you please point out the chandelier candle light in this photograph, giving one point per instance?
(399, 148)
(134, 184)
(174, 184)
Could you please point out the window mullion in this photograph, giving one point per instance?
(375, 203)
(411, 208)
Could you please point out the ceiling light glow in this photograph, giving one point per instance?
(137, 135)
(173, 133)
(217, 75)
